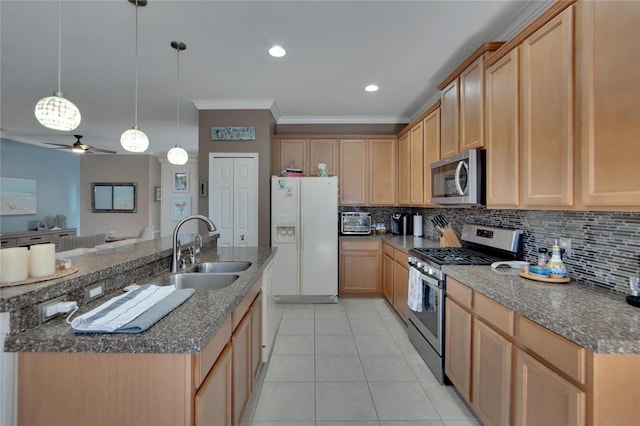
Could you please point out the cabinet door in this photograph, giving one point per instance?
(503, 139)
(431, 128)
(360, 268)
(457, 341)
(547, 114)
(544, 398)
(242, 375)
(404, 165)
(449, 120)
(293, 154)
(491, 396)
(387, 277)
(416, 165)
(353, 172)
(256, 338)
(323, 151)
(607, 70)
(401, 290)
(213, 400)
(382, 172)
(472, 106)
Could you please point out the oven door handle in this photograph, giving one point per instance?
(431, 282)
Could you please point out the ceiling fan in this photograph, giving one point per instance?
(81, 148)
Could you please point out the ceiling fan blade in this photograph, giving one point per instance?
(59, 144)
(106, 151)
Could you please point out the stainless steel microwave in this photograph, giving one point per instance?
(459, 179)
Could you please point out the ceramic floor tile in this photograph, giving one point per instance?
(419, 368)
(412, 423)
(386, 368)
(294, 344)
(462, 423)
(286, 401)
(330, 311)
(448, 403)
(331, 344)
(339, 368)
(348, 423)
(404, 344)
(368, 327)
(333, 326)
(376, 345)
(395, 326)
(344, 401)
(401, 401)
(290, 368)
(296, 326)
(298, 311)
(285, 423)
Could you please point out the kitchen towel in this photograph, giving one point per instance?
(118, 312)
(415, 290)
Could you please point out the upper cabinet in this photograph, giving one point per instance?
(323, 151)
(431, 129)
(416, 165)
(404, 165)
(354, 170)
(608, 103)
(547, 114)
(293, 154)
(382, 172)
(305, 154)
(462, 104)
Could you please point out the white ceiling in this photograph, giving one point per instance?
(334, 49)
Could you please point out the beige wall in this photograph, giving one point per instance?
(167, 194)
(144, 170)
(264, 123)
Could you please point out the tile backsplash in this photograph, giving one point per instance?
(605, 246)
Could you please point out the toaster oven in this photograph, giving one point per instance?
(355, 223)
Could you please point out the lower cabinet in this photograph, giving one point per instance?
(242, 374)
(457, 340)
(213, 400)
(360, 267)
(387, 272)
(401, 284)
(256, 336)
(542, 397)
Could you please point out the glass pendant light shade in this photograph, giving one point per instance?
(134, 140)
(177, 155)
(57, 113)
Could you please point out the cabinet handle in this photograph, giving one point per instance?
(35, 238)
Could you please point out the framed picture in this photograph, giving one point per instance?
(180, 207)
(157, 193)
(18, 196)
(180, 181)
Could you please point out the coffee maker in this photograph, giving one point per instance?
(401, 224)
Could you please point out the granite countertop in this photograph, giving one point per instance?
(593, 317)
(401, 242)
(188, 329)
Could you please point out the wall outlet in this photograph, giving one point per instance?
(565, 243)
(44, 314)
(94, 291)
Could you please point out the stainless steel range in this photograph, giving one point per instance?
(481, 245)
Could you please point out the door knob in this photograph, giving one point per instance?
(242, 237)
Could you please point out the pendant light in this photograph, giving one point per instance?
(134, 139)
(177, 155)
(56, 112)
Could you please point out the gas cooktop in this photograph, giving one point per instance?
(454, 256)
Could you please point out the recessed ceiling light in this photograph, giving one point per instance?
(371, 88)
(277, 51)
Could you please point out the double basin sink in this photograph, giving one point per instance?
(205, 276)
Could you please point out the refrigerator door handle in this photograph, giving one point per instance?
(301, 228)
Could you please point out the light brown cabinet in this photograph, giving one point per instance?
(416, 165)
(502, 132)
(323, 151)
(457, 363)
(213, 402)
(431, 129)
(256, 336)
(404, 170)
(387, 272)
(472, 106)
(360, 267)
(608, 106)
(541, 397)
(354, 171)
(293, 154)
(547, 114)
(401, 284)
(242, 371)
(449, 120)
(382, 172)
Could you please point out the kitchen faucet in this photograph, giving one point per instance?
(175, 259)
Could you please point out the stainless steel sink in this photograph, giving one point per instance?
(213, 267)
(197, 281)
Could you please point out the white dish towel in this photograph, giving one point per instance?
(121, 310)
(415, 290)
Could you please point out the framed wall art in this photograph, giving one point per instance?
(18, 196)
(180, 207)
(180, 181)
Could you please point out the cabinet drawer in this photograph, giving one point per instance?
(558, 351)
(35, 239)
(459, 292)
(495, 314)
(360, 245)
(388, 249)
(8, 242)
(401, 257)
(208, 357)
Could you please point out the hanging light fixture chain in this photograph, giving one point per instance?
(135, 112)
(178, 106)
(59, 45)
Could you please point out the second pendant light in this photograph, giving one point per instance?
(177, 155)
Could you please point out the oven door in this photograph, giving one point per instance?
(430, 322)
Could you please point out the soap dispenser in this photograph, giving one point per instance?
(555, 264)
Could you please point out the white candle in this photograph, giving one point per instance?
(42, 260)
(14, 265)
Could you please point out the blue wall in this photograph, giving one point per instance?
(58, 176)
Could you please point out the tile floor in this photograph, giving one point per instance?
(350, 364)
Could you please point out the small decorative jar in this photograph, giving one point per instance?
(555, 264)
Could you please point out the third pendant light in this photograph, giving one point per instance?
(177, 155)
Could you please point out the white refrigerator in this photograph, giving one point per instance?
(304, 228)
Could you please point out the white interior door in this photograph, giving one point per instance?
(233, 198)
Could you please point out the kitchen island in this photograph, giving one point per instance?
(197, 365)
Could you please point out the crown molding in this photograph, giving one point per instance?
(295, 119)
(226, 104)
